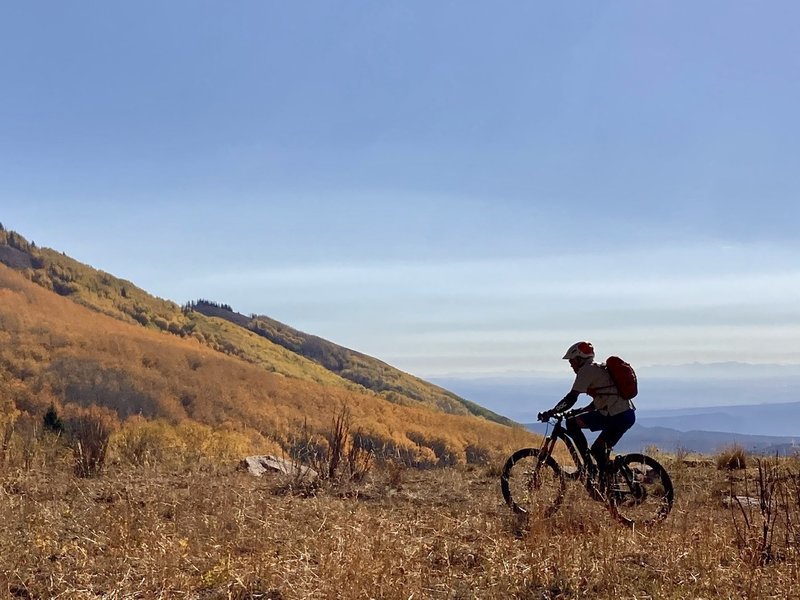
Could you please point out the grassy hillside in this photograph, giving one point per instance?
(261, 341)
(53, 350)
(359, 368)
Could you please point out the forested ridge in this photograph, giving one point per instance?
(354, 366)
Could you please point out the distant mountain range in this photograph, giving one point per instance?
(521, 398)
(640, 437)
(749, 419)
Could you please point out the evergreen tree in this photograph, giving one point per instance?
(52, 421)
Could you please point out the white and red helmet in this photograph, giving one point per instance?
(583, 350)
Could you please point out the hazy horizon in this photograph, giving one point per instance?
(700, 387)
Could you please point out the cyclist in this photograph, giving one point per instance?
(608, 412)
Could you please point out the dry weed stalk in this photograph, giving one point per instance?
(359, 459)
(338, 447)
(337, 439)
(769, 531)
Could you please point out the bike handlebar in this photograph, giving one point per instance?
(547, 415)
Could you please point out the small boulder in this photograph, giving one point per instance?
(740, 501)
(258, 465)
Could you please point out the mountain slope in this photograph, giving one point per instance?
(248, 339)
(53, 350)
(354, 366)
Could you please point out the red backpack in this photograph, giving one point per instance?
(623, 376)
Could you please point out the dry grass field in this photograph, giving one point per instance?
(217, 532)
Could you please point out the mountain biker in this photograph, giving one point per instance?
(608, 412)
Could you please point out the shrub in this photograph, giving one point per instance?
(652, 450)
(732, 458)
(494, 469)
(143, 443)
(224, 445)
(8, 417)
(446, 454)
(338, 454)
(65, 288)
(477, 455)
(51, 421)
(28, 440)
(359, 459)
(89, 431)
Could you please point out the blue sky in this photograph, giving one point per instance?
(453, 187)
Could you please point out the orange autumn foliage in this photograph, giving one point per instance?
(53, 349)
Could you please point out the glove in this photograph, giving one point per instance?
(545, 416)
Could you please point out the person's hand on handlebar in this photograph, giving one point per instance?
(545, 416)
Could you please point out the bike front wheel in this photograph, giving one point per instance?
(533, 485)
(639, 490)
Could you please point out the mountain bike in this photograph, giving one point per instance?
(636, 489)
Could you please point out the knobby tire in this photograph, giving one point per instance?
(639, 491)
(530, 487)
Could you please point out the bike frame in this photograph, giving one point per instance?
(559, 432)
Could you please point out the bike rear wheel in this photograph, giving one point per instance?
(639, 490)
(532, 487)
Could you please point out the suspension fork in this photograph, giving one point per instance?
(545, 451)
(549, 444)
(560, 433)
